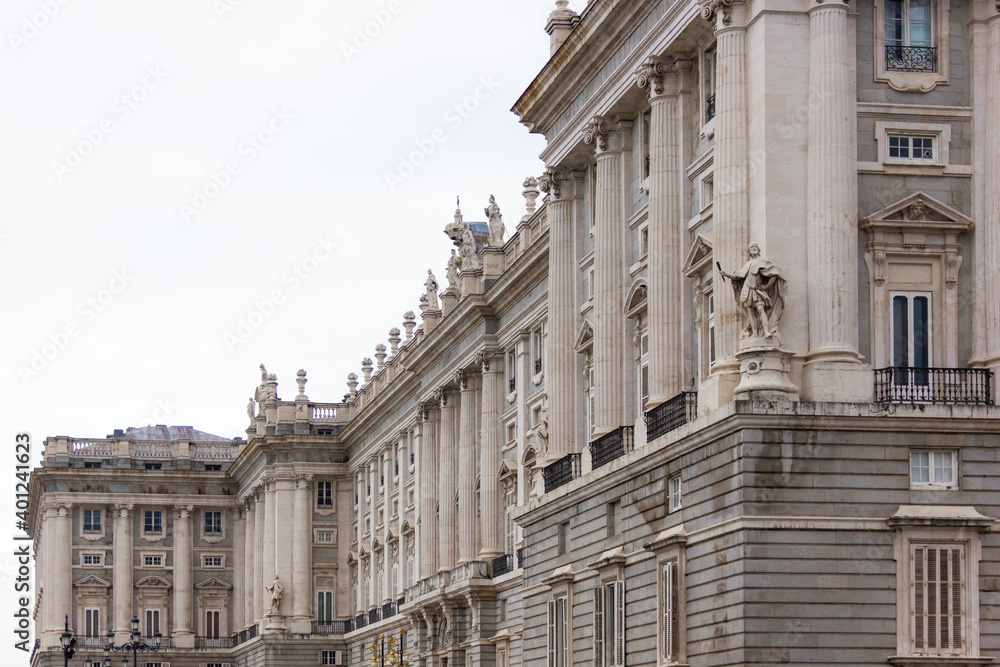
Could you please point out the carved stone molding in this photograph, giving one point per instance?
(551, 182)
(712, 8)
(487, 357)
(596, 132)
(652, 72)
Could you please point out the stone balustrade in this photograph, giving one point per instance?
(107, 448)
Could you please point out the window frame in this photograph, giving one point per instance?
(918, 82)
(932, 484)
(99, 531)
(89, 614)
(152, 518)
(205, 524)
(324, 495)
(558, 630)
(675, 496)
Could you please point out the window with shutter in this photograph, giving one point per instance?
(643, 371)
(938, 599)
(711, 331)
(599, 625)
(590, 399)
(669, 605)
(93, 623)
(212, 624)
(619, 609)
(551, 624)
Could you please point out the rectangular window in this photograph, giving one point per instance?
(92, 521)
(152, 622)
(909, 36)
(511, 371)
(213, 467)
(646, 123)
(908, 147)
(669, 617)
(643, 242)
(711, 332)
(510, 505)
(936, 469)
(511, 431)
(92, 623)
(707, 190)
(152, 560)
(212, 626)
(91, 464)
(563, 538)
(590, 284)
(324, 606)
(558, 632)
(329, 658)
(211, 561)
(324, 495)
(501, 657)
(938, 599)
(409, 562)
(609, 624)
(611, 518)
(213, 523)
(708, 83)
(324, 536)
(591, 394)
(536, 348)
(675, 493)
(153, 522)
(911, 333)
(91, 559)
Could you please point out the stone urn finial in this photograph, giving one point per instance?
(366, 368)
(352, 384)
(300, 378)
(530, 194)
(394, 340)
(409, 322)
(380, 356)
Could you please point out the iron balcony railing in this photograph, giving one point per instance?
(330, 627)
(503, 564)
(374, 615)
(954, 386)
(710, 108)
(671, 414)
(213, 642)
(388, 610)
(910, 58)
(400, 602)
(360, 621)
(520, 557)
(563, 471)
(611, 446)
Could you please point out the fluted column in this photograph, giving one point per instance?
(62, 598)
(665, 297)
(427, 530)
(238, 522)
(446, 481)
(302, 555)
(990, 234)
(606, 137)
(560, 356)
(284, 510)
(260, 565)
(489, 460)
(48, 568)
(123, 572)
(467, 470)
(183, 591)
(832, 194)
(249, 581)
(730, 217)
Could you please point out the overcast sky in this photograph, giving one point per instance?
(171, 167)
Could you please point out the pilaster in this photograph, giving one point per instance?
(284, 529)
(183, 635)
(446, 480)
(122, 544)
(249, 580)
(467, 445)
(489, 458)
(427, 520)
(62, 589)
(989, 296)
(302, 556)
(237, 520)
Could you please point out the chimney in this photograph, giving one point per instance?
(561, 22)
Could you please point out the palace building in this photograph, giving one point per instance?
(724, 397)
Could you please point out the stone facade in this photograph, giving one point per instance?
(605, 442)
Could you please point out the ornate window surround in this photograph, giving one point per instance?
(913, 245)
(913, 82)
(671, 545)
(941, 165)
(698, 268)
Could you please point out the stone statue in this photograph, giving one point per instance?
(760, 289)
(467, 246)
(250, 410)
(542, 427)
(454, 268)
(263, 374)
(431, 290)
(496, 223)
(276, 592)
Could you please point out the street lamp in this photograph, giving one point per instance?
(135, 645)
(379, 655)
(68, 642)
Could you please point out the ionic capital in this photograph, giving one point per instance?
(597, 132)
(551, 182)
(652, 73)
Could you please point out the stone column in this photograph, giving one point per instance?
(426, 530)
(62, 589)
(446, 480)
(302, 556)
(263, 578)
(282, 518)
(731, 205)
(606, 137)
(989, 236)
(123, 572)
(183, 591)
(238, 522)
(489, 460)
(249, 581)
(47, 556)
(467, 470)
(560, 355)
(832, 209)
(666, 297)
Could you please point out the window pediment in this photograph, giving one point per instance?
(635, 301)
(699, 256)
(585, 338)
(92, 583)
(213, 584)
(916, 214)
(153, 583)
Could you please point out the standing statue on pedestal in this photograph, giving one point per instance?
(454, 268)
(496, 223)
(276, 592)
(431, 290)
(760, 289)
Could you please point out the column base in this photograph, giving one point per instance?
(846, 381)
(274, 624)
(183, 640)
(764, 373)
(717, 389)
(300, 625)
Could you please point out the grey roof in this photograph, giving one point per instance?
(161, 432)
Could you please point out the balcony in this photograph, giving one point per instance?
(563, 471)
(910, 58)
(671, 414)
(502, 565)
(360, 621)
(213, 642)
(945, 386)
(330, 627)
(710, 108)
(388, 610)
(611, 446)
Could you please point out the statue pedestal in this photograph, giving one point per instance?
(764, 371)
(274, 623)
(470, 281)
(449, 299)
(493, 261)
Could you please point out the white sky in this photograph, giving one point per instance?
(155, 96)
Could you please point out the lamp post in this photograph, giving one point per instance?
(135, 645)
(68, 642)
(379, 656)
